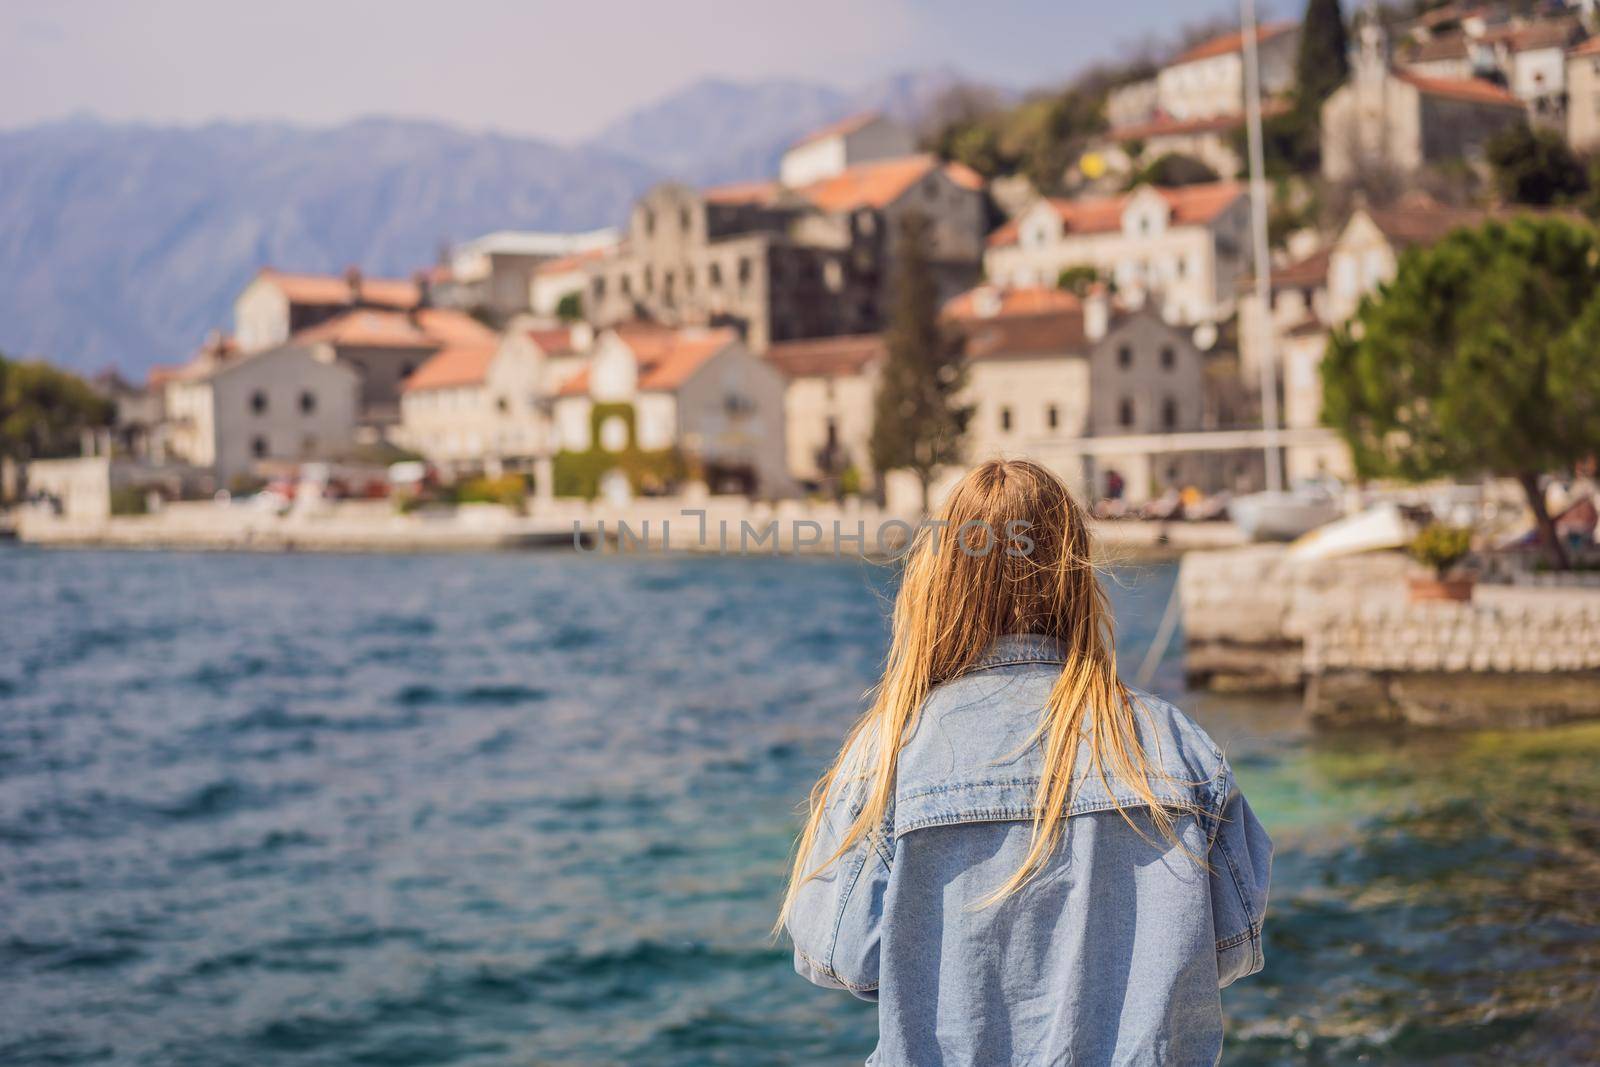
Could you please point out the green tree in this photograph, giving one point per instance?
(1535, 166)
(1077, 280)
(1477, 359)
(1323, 62)
(44, 411)
(919, 422)
(1173, 168)
(570, 307)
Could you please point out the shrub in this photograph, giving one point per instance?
(1441, 546)
(509, 490)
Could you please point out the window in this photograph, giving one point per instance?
(1125, 356)
(833, 434)
(258, 447)
(1125, 412)
(627, 285)
(714, 275)
(685, 220)
(649, 222)
(1169, 414)
(406, 369)
(833, 275)
(649, 279)
(258, 402)
(502, 404)
(745, 270)
(1169, 358)
(308, 445)
(599, 289)
(1005, 420)
(308, 402)
(1052, 417)
(1182, 266)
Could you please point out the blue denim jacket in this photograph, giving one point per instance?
(1114, 954)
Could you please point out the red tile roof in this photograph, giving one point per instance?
(1232, 42)
(452, 366)
(1191, 205)
(827, 357)
(325, 289)
(1469, 90)
(843, 128)
(1167, 126)
(667, 358)
(1025, 300)
(554, 341)
(1591, 47)
(1305, 273)
(576, 261)
(1052, 333)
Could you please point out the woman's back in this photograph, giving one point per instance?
(1019, 858)
(1113, 953)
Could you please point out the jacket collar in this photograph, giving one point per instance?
(1020, 648)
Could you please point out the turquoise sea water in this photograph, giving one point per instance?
(509, 809)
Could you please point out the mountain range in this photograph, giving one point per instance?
(123, 244)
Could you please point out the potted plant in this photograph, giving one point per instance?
(1441, 547)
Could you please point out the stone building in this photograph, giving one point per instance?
(1583, 96)
(1394, 119)
(487, 407)
(1084, 386)
(276, 304)
(697, 391)
(1208, 79)
(781, 262)
(231, 411)
(384, 347)
(495, 275)
(829, 405)
(1182, 248)
(863, 138)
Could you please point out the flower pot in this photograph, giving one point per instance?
(1424, 590)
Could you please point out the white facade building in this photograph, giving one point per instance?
(833, 149)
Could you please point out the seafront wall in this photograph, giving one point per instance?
(1345, 631)
(708, 525)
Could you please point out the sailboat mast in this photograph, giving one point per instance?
(1261, 254)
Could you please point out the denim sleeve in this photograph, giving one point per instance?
(1241, 868)
(837, 915)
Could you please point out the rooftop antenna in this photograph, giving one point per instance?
(1261, 253)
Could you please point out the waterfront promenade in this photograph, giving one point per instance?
(715, 525)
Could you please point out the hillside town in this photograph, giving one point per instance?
(733, 339)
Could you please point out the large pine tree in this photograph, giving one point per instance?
(919, 422)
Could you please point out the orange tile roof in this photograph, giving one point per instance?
(876, 185)
(554, 341)
(1191, 205)
(667, 358)
(422, 328)
(963, 175)
(827, 357)
(335, 289)
(1470, 90)
(1591, 47)
(1024, 300)
(758, 192)
(1232, 42)
(455, 365)
(844, 127)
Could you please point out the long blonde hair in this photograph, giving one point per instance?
(1010, 553)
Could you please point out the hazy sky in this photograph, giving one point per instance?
(558, 70)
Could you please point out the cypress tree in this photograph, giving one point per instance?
(919, 424)
(1324, 61)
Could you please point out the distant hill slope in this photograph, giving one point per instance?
(125, 243)
(721, 131)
